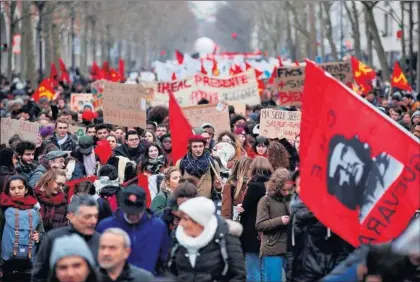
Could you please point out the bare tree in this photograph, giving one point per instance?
(353, 16)
(329, 33)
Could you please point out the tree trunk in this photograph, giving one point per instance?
(403, 46)
(322, 31)
(12, 27)
(312, 32)
(378, 44)
(93, 38)
(46, 28)
(290, 47)
(329, 33)
(84, 51)
(104, 46)
(411, 26)
(353, 15)
(368, 38)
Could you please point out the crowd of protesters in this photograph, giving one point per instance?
(201, 219)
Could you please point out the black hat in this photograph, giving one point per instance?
(133, 200)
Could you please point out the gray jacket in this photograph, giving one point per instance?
(130, 273)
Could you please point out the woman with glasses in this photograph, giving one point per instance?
(50, 194)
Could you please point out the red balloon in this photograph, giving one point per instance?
(234, 35)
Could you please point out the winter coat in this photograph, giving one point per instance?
(53, 216)
(160, 202)
(5, 173)
(131, 154)
(269, 223)
(36, 176)
(41, 267)
(228, 198)
(26, 170)
(69, 145)
(256, 190)
(149, 239)
(210, 264)
(130, 273)
(313, 251)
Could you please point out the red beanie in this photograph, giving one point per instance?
(197, 138)
(240, 130)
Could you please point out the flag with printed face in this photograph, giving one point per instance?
(364, 189)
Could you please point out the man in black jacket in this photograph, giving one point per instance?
(114, 250)
(83, 216)
(133, 147)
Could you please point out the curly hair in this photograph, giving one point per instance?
(278, 155)
(158, 114)
(277, 181)
(235, 142)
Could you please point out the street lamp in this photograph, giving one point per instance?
(40, 5)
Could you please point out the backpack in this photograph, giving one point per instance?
(17, 241)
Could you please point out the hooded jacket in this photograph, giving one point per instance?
(149, 238)
(210, 263)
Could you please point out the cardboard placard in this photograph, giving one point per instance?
(239, 88)
(240, 108)
(79, 100)
(125, 104)
(28, 130)
(280, 124)
(216, 115)
(97, 89)
(289, 81)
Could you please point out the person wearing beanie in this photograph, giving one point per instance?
(71, 260)
(198, 163)
(415, 117)
(206, 247)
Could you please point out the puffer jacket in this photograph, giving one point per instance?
(69, 145)
(210, 264)
(313, 251)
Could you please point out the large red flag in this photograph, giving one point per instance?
(53, 75)
(363, 75)
(399, 80)
(181, 129)
(143, 182)
(364, 189)
(65, 77)
(45, 89)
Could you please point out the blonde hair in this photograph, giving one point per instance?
(260, 166)
(277, 181)
(167, 177)
(239, 172)
(47, 177)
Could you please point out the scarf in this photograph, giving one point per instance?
(53, 200)
(193, 245)
(60, 142)
(154, 165)
(196, 167)
(89, 162)
(104, 181)
(23, 168)
(22, 203)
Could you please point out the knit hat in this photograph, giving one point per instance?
(415, 114)
(72, 245)
(199, 209)
(240, 130)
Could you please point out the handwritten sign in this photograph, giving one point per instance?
(280, 124)
(79, 100)
(97, 89)
(29, 130)
(125, 104)
(216, 115)
(239, 88)
(290, 80)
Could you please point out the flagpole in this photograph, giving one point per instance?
(40, 6)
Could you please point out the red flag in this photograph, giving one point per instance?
(235, 69)
(105, 70)
(247, 66)
(53, 75)
(273, 76)
(363, 75)
(114, 76)
(297, 63)
(45, 89)
(215, 70)
(72, 184)
(179, 57)
(143, 182)
(398, 79)
(183, 130)
(65, 77)
(96, 72)
(173, 76)
(364, 189)
(121, 69)
(103, 150)
(280, 61)
(203, 70)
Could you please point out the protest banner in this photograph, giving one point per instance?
(216, 115)
(124, 104)
(79, 100)
(280, 124)
(240, 108)
(289, 81)
(25, 129)
(97, 89)
(238, 88)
